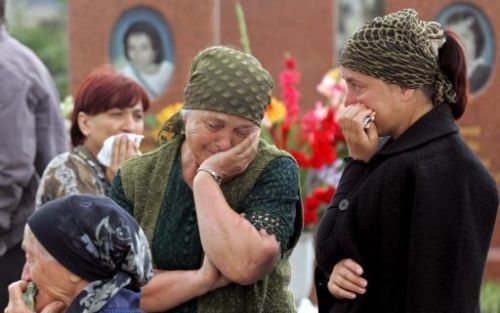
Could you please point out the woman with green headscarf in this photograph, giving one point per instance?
(410, 225)
(220, 207)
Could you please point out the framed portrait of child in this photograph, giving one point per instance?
(142, 48)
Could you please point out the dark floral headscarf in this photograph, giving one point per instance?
(97, 240)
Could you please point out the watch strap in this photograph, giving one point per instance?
(216, 176)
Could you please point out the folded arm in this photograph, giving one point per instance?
(246, 247)
(169, 289)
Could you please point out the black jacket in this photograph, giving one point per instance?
(418, 217)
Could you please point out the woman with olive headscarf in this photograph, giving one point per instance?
(410, 225)
(220, 207)
(85, 254)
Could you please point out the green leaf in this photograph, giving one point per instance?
(151, 121)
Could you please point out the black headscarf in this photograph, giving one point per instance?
(97, 240)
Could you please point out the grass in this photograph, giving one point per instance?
(490, 297)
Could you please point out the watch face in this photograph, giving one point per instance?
(216, 176)
(142, 48)
(473, 27)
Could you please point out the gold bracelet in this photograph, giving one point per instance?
(216, 176)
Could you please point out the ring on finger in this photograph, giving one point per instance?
(367, 120)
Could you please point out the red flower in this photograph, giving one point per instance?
(311, 205)
(333, 127)
(325, 195)
(323, 152)
(290, 63)
(311, 141)
(301, 158)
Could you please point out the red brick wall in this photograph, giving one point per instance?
(91, 23)
(274, 27)
(294, 26)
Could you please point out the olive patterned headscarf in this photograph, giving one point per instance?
(228, 81)
(400, 49)
(97, 240)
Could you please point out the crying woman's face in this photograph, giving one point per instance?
(53, 281)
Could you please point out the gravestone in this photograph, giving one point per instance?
(100, 32)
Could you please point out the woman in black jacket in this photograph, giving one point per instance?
(410, 225)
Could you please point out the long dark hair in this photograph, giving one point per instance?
(150, 31)
(452, 63)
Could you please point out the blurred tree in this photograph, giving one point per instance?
(50, 44)
(48, 39)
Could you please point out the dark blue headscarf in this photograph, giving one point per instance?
(97, 240)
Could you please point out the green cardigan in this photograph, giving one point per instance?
(145, 180)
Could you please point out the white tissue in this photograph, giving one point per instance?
(104, 155)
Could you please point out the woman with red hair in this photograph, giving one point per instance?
(106, 104)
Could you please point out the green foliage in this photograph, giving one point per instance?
(490, 297)
(242, 25)
(151, 120)
(50, 44)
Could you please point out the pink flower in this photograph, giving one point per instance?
(289, 78)
(333, 87)
(312, 119)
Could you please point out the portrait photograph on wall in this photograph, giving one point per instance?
(474, 29)
(142, 48)
(351, 15)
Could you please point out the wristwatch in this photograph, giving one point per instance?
(216, 176)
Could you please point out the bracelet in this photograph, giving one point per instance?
(216, 176)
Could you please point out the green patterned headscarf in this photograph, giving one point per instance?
(224, 80)
(403, 50)
(229, 81)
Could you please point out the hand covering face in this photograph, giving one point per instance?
(97, 240)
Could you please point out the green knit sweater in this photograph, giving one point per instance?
(147, 184)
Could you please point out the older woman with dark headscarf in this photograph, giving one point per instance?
(410, 225)
(85, 254)
(220, 207)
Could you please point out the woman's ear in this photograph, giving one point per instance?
(184, 114)
(78, 282)
(406, 93)
(74, 279)
(84, 123)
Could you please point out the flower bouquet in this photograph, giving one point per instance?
(314, 140)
